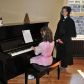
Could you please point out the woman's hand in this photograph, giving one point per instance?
(59, 41)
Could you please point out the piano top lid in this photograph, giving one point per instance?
(15, 24)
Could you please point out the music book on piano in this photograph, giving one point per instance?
(27, 36)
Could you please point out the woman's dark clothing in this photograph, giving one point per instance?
(65, 30)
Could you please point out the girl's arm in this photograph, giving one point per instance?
(37, 50)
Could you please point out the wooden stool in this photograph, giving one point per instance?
(38, 71)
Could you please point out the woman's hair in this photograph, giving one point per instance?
(68, 9)
(48, 34)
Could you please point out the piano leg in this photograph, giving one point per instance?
(26, 78)
(5, 82)
(37, 80)
(58, 72)
(4, 73)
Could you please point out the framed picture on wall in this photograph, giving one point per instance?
(76, 5)
(79, 22)
(82, 8)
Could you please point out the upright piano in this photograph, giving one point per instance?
(11, 41)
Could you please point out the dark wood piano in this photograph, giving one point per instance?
(11, 41)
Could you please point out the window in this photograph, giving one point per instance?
(76, 5)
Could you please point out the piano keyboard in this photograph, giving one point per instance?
(21, 52)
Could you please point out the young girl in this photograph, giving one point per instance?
(45, 49)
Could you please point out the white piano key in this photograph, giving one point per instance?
(21, 52)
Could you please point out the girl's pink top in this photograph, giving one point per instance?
(46, 49)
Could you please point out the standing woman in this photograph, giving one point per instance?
(65, 31)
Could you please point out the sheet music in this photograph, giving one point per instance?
(27, 36)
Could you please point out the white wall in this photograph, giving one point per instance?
(13, 11)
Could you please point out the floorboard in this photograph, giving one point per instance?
(70, 76)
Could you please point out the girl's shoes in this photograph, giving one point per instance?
(31, 77)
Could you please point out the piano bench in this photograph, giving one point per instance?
(38, 71)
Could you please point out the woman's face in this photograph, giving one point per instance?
(64, 12)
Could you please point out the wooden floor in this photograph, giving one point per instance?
(71, 76)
